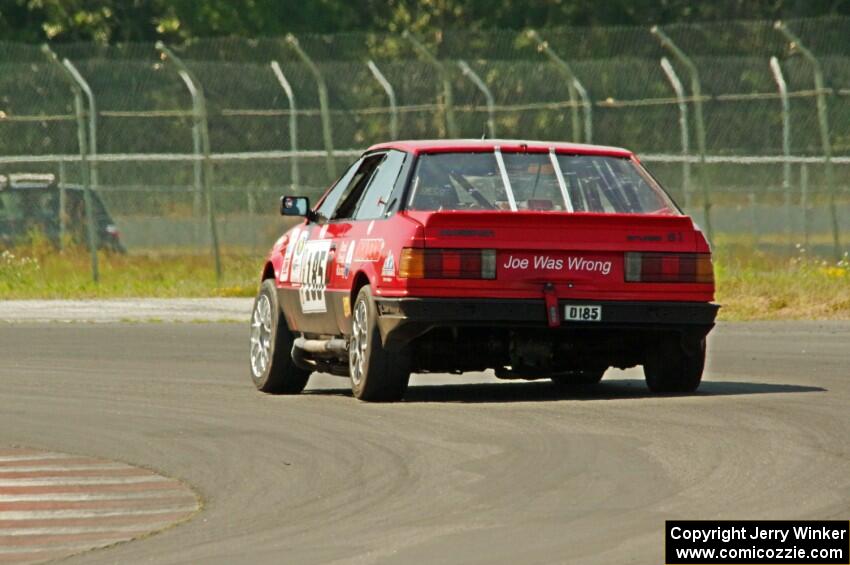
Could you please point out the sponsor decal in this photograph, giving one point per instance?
(368, 250)
(349, 257)
(314, 276)
(346, 306)
(298, 257)
(287, 257)
(389, 265)
(555, 264)
(340, 262)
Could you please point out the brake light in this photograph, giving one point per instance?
(669, 268)
(417, 263)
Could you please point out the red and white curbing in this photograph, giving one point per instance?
(53, 505)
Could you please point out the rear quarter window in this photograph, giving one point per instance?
(373, 204)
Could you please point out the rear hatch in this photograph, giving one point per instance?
(580, 222)
(584, 255)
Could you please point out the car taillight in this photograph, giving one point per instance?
(447, 263)
(669, 268)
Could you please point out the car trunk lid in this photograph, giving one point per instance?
(584, 251)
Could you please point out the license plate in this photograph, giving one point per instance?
(583, 313)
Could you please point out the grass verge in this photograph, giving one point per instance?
(757, 286)
(35, 272)
(750, 285)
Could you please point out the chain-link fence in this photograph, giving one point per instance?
(746, 123)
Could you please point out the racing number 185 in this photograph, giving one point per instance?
(316, 274)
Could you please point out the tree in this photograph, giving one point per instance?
(113, 21)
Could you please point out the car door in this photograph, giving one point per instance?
(304, 295)
(359, 232)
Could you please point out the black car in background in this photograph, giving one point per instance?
(32, 201)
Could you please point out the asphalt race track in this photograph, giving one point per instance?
(467, 470)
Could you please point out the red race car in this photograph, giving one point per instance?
(534, 259)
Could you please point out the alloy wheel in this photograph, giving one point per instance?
(357, 348)
(261, 336)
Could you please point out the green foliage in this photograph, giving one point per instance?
(115, 21)
(16, 271)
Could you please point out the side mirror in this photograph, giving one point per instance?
(295, 206)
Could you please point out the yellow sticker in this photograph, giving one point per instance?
(346, 306)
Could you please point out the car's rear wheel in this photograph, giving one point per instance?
(584, 377)
(377, 375)
(672, 368)
(272, 369)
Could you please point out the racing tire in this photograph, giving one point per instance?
(377, 375)
(272, 369)
(582, 378)
(672, 368)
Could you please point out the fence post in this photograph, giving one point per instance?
(252, 212)
(63, 218)
(696, 92)
(199, 109)
(84, 85)
(488, 96)
(293, 122)
(683, 128)
(804, 201)
(388, 88)
(324, 106)
(574, 86)
(786, 141)
(82, 140)
(197, 169)
(448, 95)
(823, 123)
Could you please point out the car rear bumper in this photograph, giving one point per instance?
(402, 319)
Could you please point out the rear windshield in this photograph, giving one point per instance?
(535, 181)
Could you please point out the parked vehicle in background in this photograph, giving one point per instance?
(32, 202)
(536, 260)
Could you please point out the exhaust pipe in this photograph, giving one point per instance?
(334, 345)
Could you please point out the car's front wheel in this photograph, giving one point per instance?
(272, 369)
(672, 368)
(376, 374)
